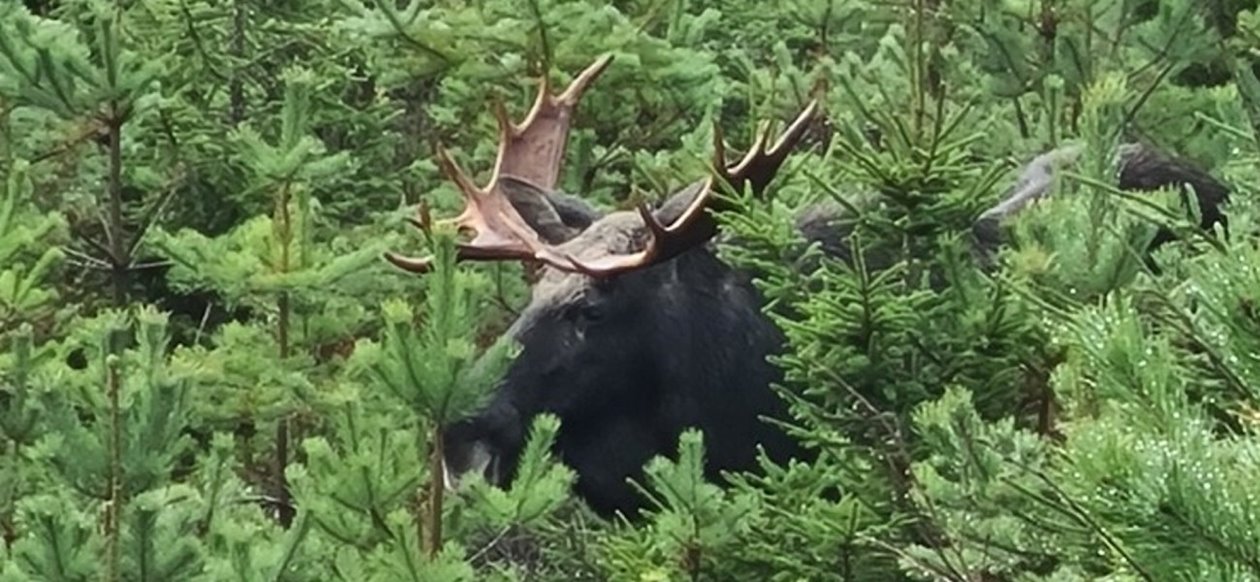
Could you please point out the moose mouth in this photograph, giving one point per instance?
(476, 459)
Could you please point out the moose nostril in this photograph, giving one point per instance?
(476, 458)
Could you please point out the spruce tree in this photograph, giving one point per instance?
(101, 86)
(197, 334)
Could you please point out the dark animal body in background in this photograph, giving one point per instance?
(1141, 169)
(635, 330)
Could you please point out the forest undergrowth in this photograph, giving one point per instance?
(208, 371)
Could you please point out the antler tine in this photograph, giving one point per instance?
(719, 150)
(760, 163)
(534, 149)
(421, 220)
(410, 264)
(583, 81)
(695, 226)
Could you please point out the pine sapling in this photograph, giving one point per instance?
(436, 370)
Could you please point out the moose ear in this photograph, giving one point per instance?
(574, 212)
(1034, 182)
(555, 217)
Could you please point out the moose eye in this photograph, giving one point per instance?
(592, 312)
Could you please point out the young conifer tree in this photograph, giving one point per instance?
(92, 79)
(101, 449)
(282, 263)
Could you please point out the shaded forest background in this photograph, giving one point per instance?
(195, 320)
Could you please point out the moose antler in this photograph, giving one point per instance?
(532, 151)
(695, 226)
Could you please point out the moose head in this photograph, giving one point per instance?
(1141, 168)
(635, 330)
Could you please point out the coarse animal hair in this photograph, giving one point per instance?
(1141, 168)
(627, 363)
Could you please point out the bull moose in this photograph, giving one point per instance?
(1142, 168)
(635, 330)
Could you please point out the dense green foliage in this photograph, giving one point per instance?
(207, 372)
